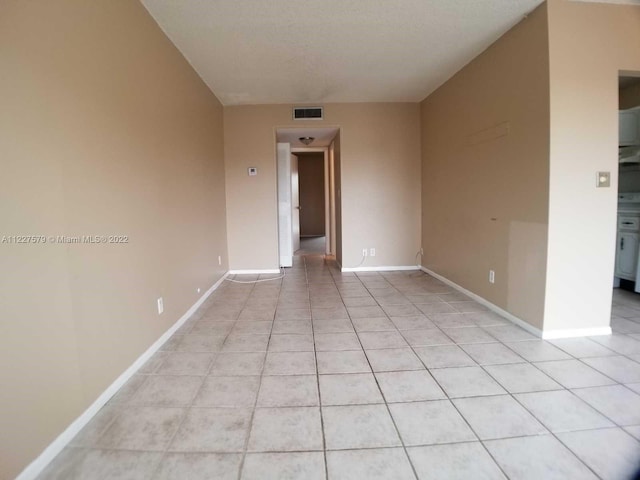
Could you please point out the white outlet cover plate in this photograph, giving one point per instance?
(603, 179)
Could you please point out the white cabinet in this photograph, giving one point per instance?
(629, 127)
(628, 242)
(627, 255)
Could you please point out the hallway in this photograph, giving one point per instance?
(311, 246)
(369, 376)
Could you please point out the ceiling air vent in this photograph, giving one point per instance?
(307, 113)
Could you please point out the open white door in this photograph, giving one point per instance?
(295, 204)
(285, 231)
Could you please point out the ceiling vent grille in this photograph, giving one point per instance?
(308, 113)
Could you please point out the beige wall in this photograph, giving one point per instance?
(104, 129)
(379, 190)
(589, 44)
(629, 97)
(485, 148)
(311, 176)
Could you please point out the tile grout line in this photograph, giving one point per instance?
(549, 431)
(315, 356)
(512, 396)
(386, 404)
(94, 444)
(480, 441)
(571, 390)
(459, 413)
(553, 434)
(183, 416)
(255, 402)
(456, 344)
(393, 285)
(190, 406)
(318, 450)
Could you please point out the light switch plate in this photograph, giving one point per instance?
(253, 171)
(603, 179)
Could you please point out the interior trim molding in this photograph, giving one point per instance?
(50, 452)
(379, 269)
(576, 332)
(544, 334)
(254, 272)
(491, 306)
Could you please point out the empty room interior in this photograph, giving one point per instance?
(320, 240)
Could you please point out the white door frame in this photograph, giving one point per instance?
(295, 204)
(332, 196)
(328, 200)
(285, 231)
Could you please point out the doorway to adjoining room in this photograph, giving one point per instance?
(308, 172)
(625, 316)
(311, 192)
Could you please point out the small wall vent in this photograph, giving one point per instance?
(308, 113)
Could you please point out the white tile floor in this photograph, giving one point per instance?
(371, 376)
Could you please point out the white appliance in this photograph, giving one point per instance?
(628, 155)
(628, 238)
(629, 127)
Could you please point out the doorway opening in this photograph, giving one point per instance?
(312, 202)
(308, 192)
(626, 282)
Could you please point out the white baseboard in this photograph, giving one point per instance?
(576, 332)
(39, 464)
(254, 272)
(380, 269)
(503, 313)
(545, 334)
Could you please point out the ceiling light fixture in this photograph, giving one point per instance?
(307, 140)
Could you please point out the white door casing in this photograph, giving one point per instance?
(329, 204)
(285, 232)
(295, 204)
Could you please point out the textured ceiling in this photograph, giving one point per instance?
(300, 51)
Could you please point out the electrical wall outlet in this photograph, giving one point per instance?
(219, 260)
(198, 290)
(364, 252)
(492, 276)
(372, 252)
(160, 306)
